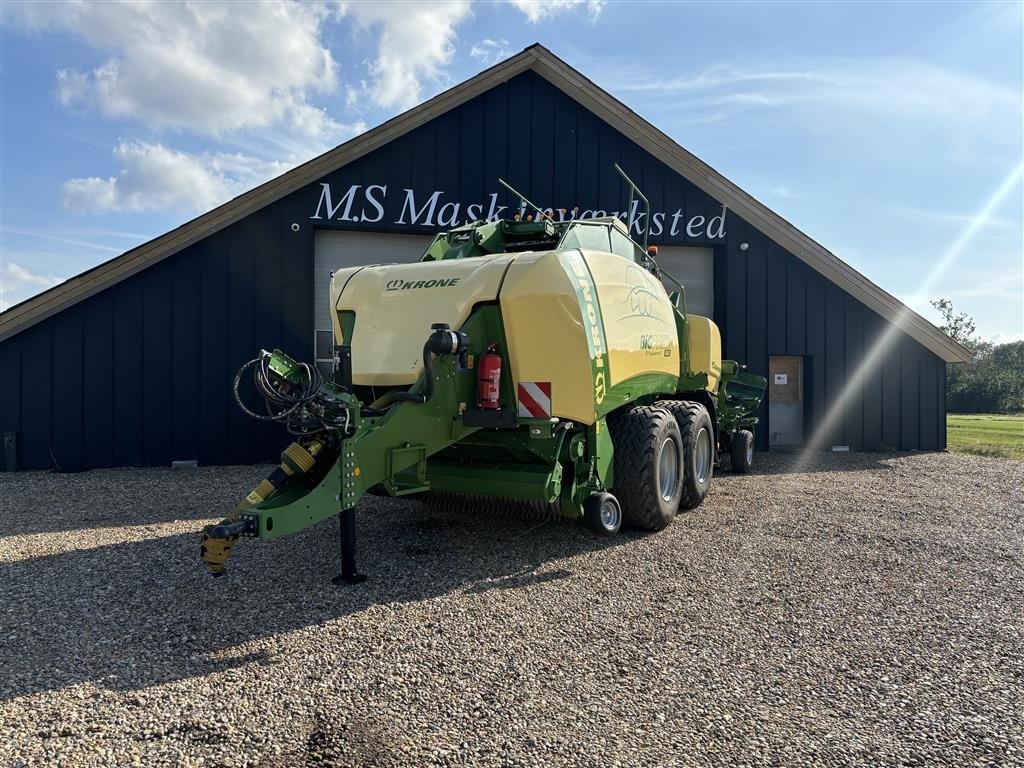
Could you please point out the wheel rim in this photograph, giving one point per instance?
(609, 515)
(668, 469)
(702, 456)
(750, 453)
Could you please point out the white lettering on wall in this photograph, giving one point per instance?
(435, 210)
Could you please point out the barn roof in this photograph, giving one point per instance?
(548, 66)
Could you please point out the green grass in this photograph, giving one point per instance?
(986, 434)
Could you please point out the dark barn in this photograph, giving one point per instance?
(131, 363)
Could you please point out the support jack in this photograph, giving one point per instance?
(347, 539)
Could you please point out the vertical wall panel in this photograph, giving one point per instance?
(67, 404)
(495, 160)
(759, 303)
(815, 389)
(929, 400)
(186, 286)
(854, 404)
(563, 191)
(892, 396)
(10, 394)
(520, 120)
(98, 383)
(835, 357)
(776, 300)
(609, 186)
(446, 171)
(423, 178)
(542, 150)
(734, 342)
(268, 268)
(36, 396)
(471, 155)
(297, 299)
(910, 394)
(397, 166)
(796, 306)
(243, 343)
(157, 339)
(129, 388)
(214, 385)
(873, 392)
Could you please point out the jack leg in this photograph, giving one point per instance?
(347, 539)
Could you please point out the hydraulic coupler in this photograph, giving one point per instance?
(218, 540)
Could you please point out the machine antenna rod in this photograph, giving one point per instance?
(634, 189)
(540, 211)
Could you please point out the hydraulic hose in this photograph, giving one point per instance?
(443, 341)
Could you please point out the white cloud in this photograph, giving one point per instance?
(950, 218)
(155, 177)
(861, 95)
(416, 41)
(490, 51)
(537, 11)
(18, 283)
(1000, 337)
(208, 68)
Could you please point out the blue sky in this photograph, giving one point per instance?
(880, 129)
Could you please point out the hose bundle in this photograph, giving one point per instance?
(304, 409)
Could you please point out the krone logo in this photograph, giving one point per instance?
(405, 285)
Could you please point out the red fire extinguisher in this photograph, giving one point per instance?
(488, 378)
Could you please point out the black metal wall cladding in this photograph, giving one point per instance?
(140, 373)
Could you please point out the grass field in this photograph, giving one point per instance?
(986, 434)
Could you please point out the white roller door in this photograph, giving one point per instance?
(334, 249)
(695, 269)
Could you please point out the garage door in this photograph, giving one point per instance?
(695, 269)
(333, 250)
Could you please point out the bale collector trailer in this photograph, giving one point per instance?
(557, 374)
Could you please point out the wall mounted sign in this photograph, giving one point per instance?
(366, 205)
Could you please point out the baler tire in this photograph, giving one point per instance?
(598, 523)
(692, 417)
(640, 436)
(742, 451)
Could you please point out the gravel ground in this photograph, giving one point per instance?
(868, 610)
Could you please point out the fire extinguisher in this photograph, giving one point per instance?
(488, 378)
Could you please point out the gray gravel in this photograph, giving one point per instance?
(866, 611)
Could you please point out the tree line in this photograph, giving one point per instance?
(994, 383)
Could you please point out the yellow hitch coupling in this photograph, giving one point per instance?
(218, 540)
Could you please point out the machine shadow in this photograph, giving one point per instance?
(44, 501)
(140, 613)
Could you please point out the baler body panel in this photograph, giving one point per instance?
(705, 345)
(639, 325)
(549, 335)
(593, 324)
(394, 303)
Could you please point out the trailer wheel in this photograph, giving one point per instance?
(742, 451)
(602, 514)
(698, 449)
(648, 480)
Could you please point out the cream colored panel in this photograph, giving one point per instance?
(546, 333)
(336, 249)
(705, 349)
(396, 304)
(639, 325)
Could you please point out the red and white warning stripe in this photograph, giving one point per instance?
(535, 399)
